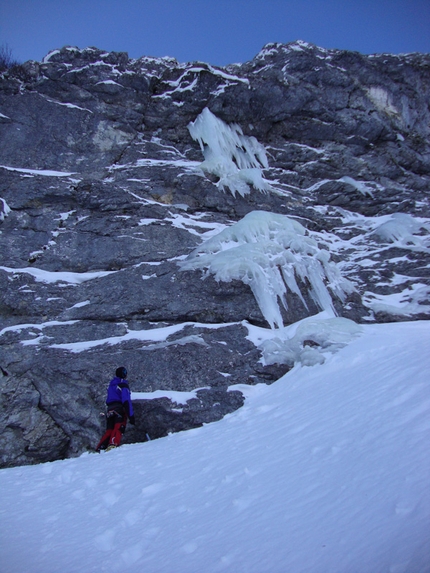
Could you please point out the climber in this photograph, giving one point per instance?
(119, 409)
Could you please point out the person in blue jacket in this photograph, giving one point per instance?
(119, 410)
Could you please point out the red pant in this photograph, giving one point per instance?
(115, 428)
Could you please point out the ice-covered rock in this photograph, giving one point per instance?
(404, 229)
(102, 196)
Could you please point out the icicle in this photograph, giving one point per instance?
(271, 253)
(233, 157)
(4, 209)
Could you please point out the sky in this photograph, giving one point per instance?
(219, 32)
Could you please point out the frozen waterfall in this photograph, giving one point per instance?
(235, 158)
(272, 254)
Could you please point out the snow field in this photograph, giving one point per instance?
(326, 470)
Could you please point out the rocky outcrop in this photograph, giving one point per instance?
(102, 197)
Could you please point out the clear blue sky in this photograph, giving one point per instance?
(214, 31)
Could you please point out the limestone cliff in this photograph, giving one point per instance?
(103, 195)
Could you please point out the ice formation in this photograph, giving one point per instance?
(361, 186)
(309, 340)
(404, 229)
(4, 209)
(272, 254)
(235, 158)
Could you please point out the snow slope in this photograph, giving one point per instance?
(325, 471)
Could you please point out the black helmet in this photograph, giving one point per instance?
(121, 372)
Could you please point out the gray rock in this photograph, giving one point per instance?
(100, 172)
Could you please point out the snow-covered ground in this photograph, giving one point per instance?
(325, 471)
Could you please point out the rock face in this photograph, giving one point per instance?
(102, 197)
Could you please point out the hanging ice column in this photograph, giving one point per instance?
(271, 253)
(4, 209)
(235, 158)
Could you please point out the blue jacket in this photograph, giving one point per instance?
(119, 391)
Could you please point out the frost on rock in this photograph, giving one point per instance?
(235, 158)
(272, 254)
(307, 341)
